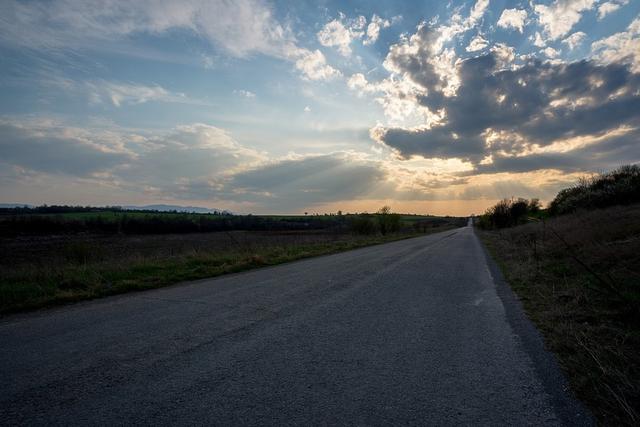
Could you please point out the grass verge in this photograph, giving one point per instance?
(36, 284)
(578, 277)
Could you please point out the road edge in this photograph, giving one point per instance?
(571, 411)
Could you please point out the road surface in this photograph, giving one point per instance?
(420, 331)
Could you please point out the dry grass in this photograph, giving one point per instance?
(578, 277)
(43, 270)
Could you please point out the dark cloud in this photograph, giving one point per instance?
(607, 154)
(294, 184)
(535, 104)
(63, 153)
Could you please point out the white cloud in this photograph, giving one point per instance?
(307, 109)
(313, 66)
(609, 7)
(374, 27)
(504, 55)
(477, 43)
(537, 40)
(238, 28)
(116, 93)
(245, 93)
(574, 39)
(620, 47)
(560, 17)
(457, 25)
(335, 34)
(339, 33)
(477, 11)
(550, 52)
(513, 18)
(358, 82)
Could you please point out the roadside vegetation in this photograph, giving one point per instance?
(576, 269)
(69, 255)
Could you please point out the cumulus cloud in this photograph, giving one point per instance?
(339, 34)
(513, 18)
(477, 43)
(374, 27)
(620, 47)
(609, 7)
(574, 39)
(313, 66)
(550, 52)
(537, 40)
(515, 112)
(559, 18)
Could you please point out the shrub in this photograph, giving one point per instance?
(618, 187)
(362, 224)
(388, 222)
(508, 212)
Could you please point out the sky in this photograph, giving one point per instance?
(259, 106)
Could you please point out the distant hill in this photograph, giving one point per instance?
(171, 208)
(158, 208)
(15, 205)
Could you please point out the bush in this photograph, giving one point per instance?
(618, 187)
(509, 212)
(362, 224)
(388, 222)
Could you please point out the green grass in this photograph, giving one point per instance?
(578, 277)
(31, 286)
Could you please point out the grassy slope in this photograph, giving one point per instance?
(33, 284)
(578, 277)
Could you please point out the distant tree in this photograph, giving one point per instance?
(387, 222)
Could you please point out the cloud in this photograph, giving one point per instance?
(341, 32)
(560, 17)
(187, 152)
(513, 112)
(191, 162)
(240, 27)
(550, 52)
(374, 27)
(537, 40)
(190, 153)
(477, 43)
(609, 7)
(245, 93)
(513, 18)
(46, 147)
(620, 47)
(295, 184)
(477, 11)
(116, 93)
(338, 34)
(574, 39)
(237, 28)
(313, 66)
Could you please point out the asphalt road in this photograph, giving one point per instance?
(421, 331)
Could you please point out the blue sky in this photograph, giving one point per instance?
(285, 107)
